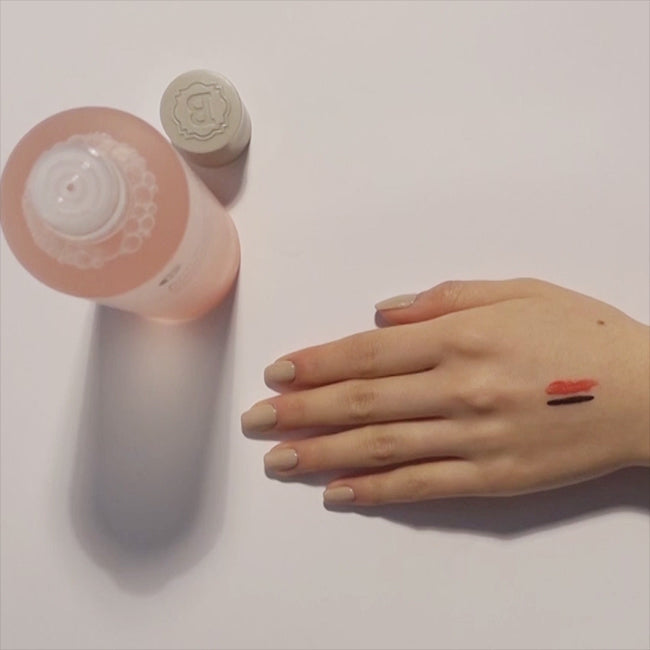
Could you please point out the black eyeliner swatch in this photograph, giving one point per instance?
(574, 399)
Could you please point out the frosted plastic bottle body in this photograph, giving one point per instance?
(97, 203)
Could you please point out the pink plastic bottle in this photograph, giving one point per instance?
(97, 203)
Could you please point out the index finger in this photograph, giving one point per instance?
(377, 353)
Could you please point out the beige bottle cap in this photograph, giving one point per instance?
(205, 119)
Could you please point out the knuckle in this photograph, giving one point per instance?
(373, 489)
(361, 400)
(478, 397)
(449, 292)
(381, 446)
(531, 284)
(484, 400)
(471, 342)
(417, 486)
(491, 438)
(380, 489)
(363, 352)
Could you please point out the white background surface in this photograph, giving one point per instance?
(394, 146)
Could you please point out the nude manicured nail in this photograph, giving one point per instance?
(280, 372)
(336, 495)
(280, 460)
(397, 302)
(260, 418)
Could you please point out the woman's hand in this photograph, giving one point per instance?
(476, 388)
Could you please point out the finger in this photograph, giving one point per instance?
(377, 445)
(434, 480)
(377, 353)
(454, 296)
(351, 403)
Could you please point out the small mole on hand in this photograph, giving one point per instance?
(600, 322)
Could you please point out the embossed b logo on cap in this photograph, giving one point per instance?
(201, 111)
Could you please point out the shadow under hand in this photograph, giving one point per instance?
(627, 489)
(152, 444)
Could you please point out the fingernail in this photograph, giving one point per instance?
(260, 418)
(280, 460)
(280, 372)
(341, 494)
(397, 302)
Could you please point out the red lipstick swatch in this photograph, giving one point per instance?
(567, 386)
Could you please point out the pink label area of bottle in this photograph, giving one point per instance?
(201, 271)
(96, 203)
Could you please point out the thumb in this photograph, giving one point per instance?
(452, 296)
